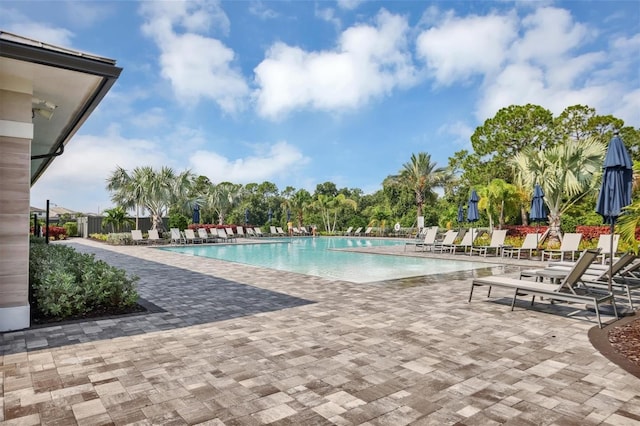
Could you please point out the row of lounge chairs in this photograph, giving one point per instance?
(569, 248)
(358, 232)
(585, 281)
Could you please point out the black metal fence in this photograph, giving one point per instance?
(88, 225)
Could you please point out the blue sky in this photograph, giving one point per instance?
(300, 92)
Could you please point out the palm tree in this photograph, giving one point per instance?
(329, 206)
(421, 176)
(221, 198)
(117, 218)
(298, 203)
(567, 172)
(629, 221)
(154, 190)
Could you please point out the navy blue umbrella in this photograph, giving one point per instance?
(472, 210)
(196, 214)
(537, 213)
(270, 215)
(246, 216)
(288, 215)
(615, 192)
(460, 214)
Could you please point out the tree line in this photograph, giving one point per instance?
(522, 145)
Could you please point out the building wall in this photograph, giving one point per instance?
(16, 132)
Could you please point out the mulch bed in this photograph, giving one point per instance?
(619, 342)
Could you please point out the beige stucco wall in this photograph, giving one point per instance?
(16, 132)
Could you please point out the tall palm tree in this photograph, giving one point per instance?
(567, 172)
(221, 198)
(299, 202)
(154, 190)
(500, 199)
(421, 176)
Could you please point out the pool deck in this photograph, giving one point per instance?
(230, 344)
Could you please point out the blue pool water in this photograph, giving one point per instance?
(322, 257)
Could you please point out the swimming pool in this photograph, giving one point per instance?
(322, 257)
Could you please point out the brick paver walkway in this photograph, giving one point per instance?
(238, 345)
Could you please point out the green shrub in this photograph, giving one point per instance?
(71, 228)
(178, 220)
(119, 239)
(66, 283)
(99, 237)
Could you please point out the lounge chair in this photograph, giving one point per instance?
(565, 291)
(529, 244)
(191, 237)
(368, 232)
(177, 237)
(358, 231)
(222, 235)
(348, 231)
(154, 237)
(427, 242)
(240, 231)
(136, 236)
(447, 240)
(497, 241)
(466, 242)
(303, 230)
(205, 236)
(569, 246)
(250, 232)
(280, 231)
(604, 244)
(273, 231)
(230, 234)
(258, 232)
(597, 275)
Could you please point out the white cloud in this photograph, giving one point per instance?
(349, 4)
(460, 131)
(42, 32)
(461, 47)
(196, 65)
(259, 9)
(77, 179)
(369, 61)
(279, 159)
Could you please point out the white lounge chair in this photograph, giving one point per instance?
(529, 244)
(427, 242)
(154, 237)
(368, 231)
(569, 246)
(205, 236)
(230, 234)
(604, 244)
(280, 231)
(447, 240)
(191, 237)
(565, 291)
(136, 236)
(273, 231)
(497, 241)
(250, 232)
(348, 231)
(358, 231)
(467, 241)
(240, 231)
(258, 232)
(177, 237)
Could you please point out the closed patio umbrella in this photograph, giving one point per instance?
(615, 192)
(472, 210)
(288, 215)
(270, 215)
(246, 216)
(460, 216)
(196, 214)
(537, 213)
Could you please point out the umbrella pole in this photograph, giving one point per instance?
(613, 222)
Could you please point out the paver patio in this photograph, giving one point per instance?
(232, 345)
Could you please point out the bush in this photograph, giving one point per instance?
(99, 237)
(177, 220)
(71, 229)
(66, 283)
(119, 239)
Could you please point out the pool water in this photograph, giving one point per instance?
(322, 257)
